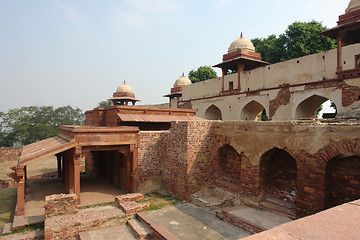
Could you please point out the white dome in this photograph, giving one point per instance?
(182, 81)
(353, 5)
(241, 43)
(124, 88)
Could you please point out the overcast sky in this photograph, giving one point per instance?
(76, 53)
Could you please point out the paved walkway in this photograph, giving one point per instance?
(113, 233)
(189, 222)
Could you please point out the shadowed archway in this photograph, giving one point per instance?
(213, 113)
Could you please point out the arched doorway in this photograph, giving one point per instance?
(311, 107)
(213, 113)
(278, 179)
(228, 167)
(253, 111)
(342, 180)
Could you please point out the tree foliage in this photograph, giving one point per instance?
(30, 124)
(201, 74)
(106, 103)
(300, 39)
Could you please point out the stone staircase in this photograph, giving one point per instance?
(141, 227)
(277, 206)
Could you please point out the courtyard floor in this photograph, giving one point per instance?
(92, 191)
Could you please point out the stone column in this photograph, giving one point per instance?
(76, 164)
(224, 70)
(132, 166)
(58, 157)
(240, 67)
(66, 171)
(20, 183)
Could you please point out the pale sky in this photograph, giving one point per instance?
(76, 53)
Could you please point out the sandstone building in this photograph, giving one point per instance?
(295, 168)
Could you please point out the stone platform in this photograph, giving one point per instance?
(251, 219)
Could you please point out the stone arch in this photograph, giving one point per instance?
(307, 108)
(228, 166)
(213, 113)
(345, 148)
(253, 111)
(342, 180)
(278, 179)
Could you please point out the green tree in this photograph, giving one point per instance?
(30, 124)
(201, 74)
(300, 39)
(104, 104)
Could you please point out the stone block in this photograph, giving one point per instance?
(60, 204)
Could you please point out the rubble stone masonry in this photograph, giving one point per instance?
(185, 158)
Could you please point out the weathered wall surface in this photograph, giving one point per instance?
(152, 146)
(280, 89)
(186, 157)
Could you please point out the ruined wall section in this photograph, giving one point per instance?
(152, 147)
(200, 167)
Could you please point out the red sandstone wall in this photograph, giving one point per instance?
(152, 146)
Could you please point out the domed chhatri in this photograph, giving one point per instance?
(353, 6)
(123, 95)
(124, 88)
(182, 81)
(241, 43)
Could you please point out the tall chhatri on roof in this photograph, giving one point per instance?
(177, 90)
(182, 81)
(123, 95)
(346, 32)
(241, 43)
(241, 56)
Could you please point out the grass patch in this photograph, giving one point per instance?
(97, 205)
(7, 205)
(158, 201)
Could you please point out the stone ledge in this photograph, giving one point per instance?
(129, 197)
(132, 207)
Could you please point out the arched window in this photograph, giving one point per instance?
(213, 113)
(311, 107)
(253, 111)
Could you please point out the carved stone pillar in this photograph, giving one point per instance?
(20, 183)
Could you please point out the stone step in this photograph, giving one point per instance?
(18, 222)
(278, 209)
(140, 230)
(281, 203)
(121, 232)
(159, 230)
(251, 219)
(132, 207)
(7, 228)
